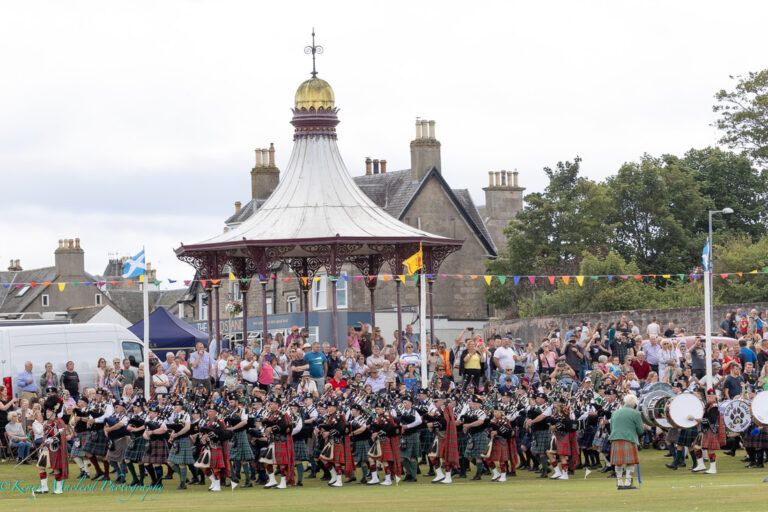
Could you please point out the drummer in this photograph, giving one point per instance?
(712, 435)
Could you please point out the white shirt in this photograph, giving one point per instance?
(506, 357)
(653, 329)
(251, 374)
(410, 358)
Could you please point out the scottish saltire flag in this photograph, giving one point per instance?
(705, 257)
(134, 267)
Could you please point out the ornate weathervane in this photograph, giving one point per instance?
(314, 50)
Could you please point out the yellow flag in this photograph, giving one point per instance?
(488, 279)
(141, 278)
(580, 280)
(666, 276)
(62, 286)
(401, 277)
(232, 277)
(414, 262)
(317, 279)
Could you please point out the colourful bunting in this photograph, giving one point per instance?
(532, 280)
(724, 276)
(580, 280)
(33, 284)
(516, 280)
(401, 277)
(566, 279)
(551, 279)
(141, 278)
(387, 277)
(488, 279)
(502, 279)
(62, 286)
(215, 282)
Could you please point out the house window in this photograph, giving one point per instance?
(319, 292)
(237, 293)
(202, 307)
(341, 291)
(181, 311)
(46, 301)
(270, 306)
(23, 290)
(98, 299)
(291, 304)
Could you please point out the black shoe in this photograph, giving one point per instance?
(201, 481)
(671, 466)
(408, 478)
(476, 477)
(668, 455)
(629, 487)
(350, 480)
(542, 475)
(731, 453)
(311, 475)
(98, 476)
(612, 475)
(325, 478)
(298, 484)
(605, 469)
(250, 484)
(182, 486)
(431, 472)
(462, 475)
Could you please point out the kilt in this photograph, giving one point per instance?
(410, 447)
(97, 443)
(282, 457)
(78, 446)
(426, 437)
(687, 436)
(181, 452)
(386, 449)
(673, 435)
(136, 448)
(760, 441)
(623, 453)
(217, 457)
(605, 447)
(339, 454)
(540, 441)
(461, 440)
(156, 452)
(512, 444)
(300, 451)
(119, 446)
(477, 445)
(710, 441)
(360, 451)
(587, 436)
(525, 440)
(563, 445)
(239, 448)
(499, 450)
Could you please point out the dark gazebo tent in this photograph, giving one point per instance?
(168, 333)
(316, 218)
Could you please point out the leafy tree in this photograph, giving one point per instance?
(730, 181)
(740, 254)
(658, 203)
(744, 116)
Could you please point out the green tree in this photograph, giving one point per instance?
(744, 116)
(741, 254)
(730, 181)
(553, 230)
(658, 203)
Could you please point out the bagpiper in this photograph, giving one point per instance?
(118, 437)
(53, 453)
(475, 425)
(386, 446)
(360, 439)
(334, 454)
(444, 454)
(277, 425)
(712, 435)
(96, 446)
(181, 454)
(134, 454)
(156, 438)
(239, 448)
(410, 448)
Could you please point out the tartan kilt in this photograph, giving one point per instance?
(119, 446)
(360, 451)
(623, 453)
(461, 440)
(156, 452)
(282, 457)
(386, 449)
(136, 448)
(426, 438)
(587, 436)
(759, 441)
(499, 450)
(513, 457)
(300, 451)
(540, 441)
(97, 443)
(181, 452)
(339, 454)
(710, 441)
(687, 436)
(410, 447)
(673, 435)
(563, 445)
(477, 445)
(239, 447)
(217, 457)
(78, 446)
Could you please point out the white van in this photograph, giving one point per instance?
(83, 344)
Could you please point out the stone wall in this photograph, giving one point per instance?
(692, 319)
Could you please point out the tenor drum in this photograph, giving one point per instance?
(759, 409)
(652, 407)
(685, 410)
(736, 415)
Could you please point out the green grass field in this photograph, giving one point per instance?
(734, 488)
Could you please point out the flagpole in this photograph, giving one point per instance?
(423, 322)
(147, 376)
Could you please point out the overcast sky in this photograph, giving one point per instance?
(134, 123)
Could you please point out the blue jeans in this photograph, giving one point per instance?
(22, 449)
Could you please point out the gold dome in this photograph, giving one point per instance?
(315, 93)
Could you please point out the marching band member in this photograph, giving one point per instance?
(79, 419)
(712, 435)
(386, 446)
(239, 447)
(115, 427)
(54, 453)
(278, 424)
(560, 449)
(300, 453)
(443, 424)
(539, 416)
(626, 429)
(410, 449)
(134, 454)
(96, 446)
(360, 439)
(501, 432)
(474, 424)
(156, 452)
(213, 432)
(181, 454)
(333, 430)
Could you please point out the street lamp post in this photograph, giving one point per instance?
(708, 309)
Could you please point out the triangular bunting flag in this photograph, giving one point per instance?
(753, 271)
(75, 284)
(502, 279)
(487, 279)
(358, 278)
(724, 276)
(566, 279)
(203, 282)
(516, 280)
(157, 282)
(740, 274)
(594, 278)
(370, 279)
(532, 280)
(289, 279)
(19, 286)
(33, 284)
(113, 283)
(232, 277)
(215, 282)
(551, 279)
(187, 282)
(171, 281)
(667, 276)
(461, 276)
(580, 280)
(610, 278)
(388, 277)
(62, 286)
(443, 276)
(47, 284)
(345, 277)
(638, 277)
(473, 276)
(415, 278)
(316, 279)
(681, 277)
(6, 285)
(305, 280)
(401, 277)
(244, 280)
(141, 278)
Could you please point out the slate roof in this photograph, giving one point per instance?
(81, 315)
(130, 303)
(10, 302)
(246, 211)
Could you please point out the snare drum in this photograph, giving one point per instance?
(759, 409)
(685, 410)
(736, 415)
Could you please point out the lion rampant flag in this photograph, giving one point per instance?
(414, 262)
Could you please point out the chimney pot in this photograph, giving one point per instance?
(432, 130)
(375, 166)
(258, 157)
(238, 205)
(514, 178)
(271, 154)
(418, 128)
(498, 178)
(504, 181)
(265, 157)
(383, 164)
(424, 129)
(77, 243)
(490, 178)
(61, 243)
(368, 166)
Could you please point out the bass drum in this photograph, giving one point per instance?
(685, 410)
(736, 416)
(759, 409)
(652, 409)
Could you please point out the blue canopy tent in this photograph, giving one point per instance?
(168, 333)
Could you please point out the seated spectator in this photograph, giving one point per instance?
(17, 437)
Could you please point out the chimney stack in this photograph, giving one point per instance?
(15, 266)
(383, 164)
(514, 179)
(368, 166)
(238, 206)
(70, 259)
(503, 201)
(265, 175)
(375, 166)
(425, 150)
